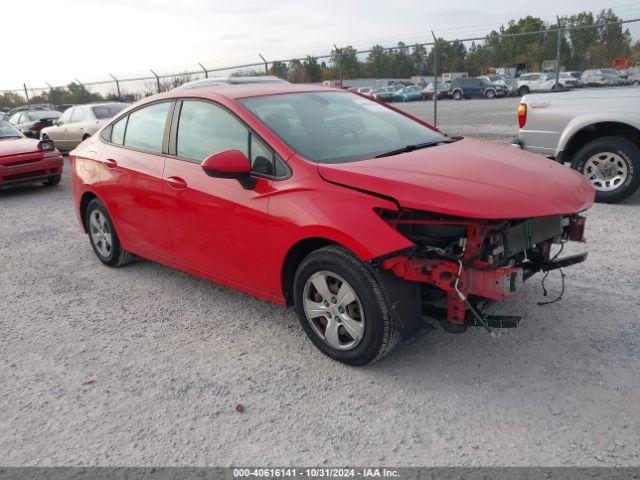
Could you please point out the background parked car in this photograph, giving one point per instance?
(365, 91)
(568, 81)
(537, 82)
(80, 122)
(408, 94)
(603, 77)
(26, 160)
(633, 76)
(31, 122)
(35, 106)
(3, 116)
(384, 94)
(444, 90)
(475, 87)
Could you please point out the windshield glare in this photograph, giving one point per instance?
(8, 130)
(337, 127)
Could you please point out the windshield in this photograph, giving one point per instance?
(337, 127)
(7, 130)
(106, 111)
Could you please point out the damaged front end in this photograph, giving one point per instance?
(462, 265)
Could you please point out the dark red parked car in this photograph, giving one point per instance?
(26, 160)
(360, 215)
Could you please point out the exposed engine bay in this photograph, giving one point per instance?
(465, 264)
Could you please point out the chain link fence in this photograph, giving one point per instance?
(468, 86)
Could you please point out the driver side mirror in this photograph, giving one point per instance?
(57, 123)
(230, 164)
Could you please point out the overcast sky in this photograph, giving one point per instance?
(59, 40)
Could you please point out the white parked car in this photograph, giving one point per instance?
(601, 77)
(365, 91)
(568, 81)
(80, 122)
(536, 82)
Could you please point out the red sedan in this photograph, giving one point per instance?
(26, 160)
(361, 216)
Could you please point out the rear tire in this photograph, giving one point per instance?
(52, 181)
(457, 95)
(601, 159)
(334, 268)
(103, 237)
(490, 93)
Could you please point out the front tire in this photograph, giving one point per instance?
(342, 309)
(457, 95)
(103, 237)
(522, 91)
(490, 94)
(612, 165)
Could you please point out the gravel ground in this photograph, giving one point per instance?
(145, 365)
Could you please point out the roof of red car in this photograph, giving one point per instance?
(250, 90)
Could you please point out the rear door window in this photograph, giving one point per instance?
(145, 128)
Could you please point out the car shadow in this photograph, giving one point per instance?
(26, 189)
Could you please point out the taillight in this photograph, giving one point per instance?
(522, 114)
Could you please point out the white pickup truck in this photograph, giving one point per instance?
(597, 131)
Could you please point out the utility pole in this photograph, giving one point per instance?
(82, 89)
(26, 93)
(558, 47)
(117, 84)
(51, 99)
(266, 65)
(206, 73)
(339, 52)
(435, 79)
(157, 79)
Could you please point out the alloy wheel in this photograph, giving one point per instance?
(100, 233)
(606, 171)
(333, 310)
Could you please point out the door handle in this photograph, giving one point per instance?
(176, 183)
(110, 163)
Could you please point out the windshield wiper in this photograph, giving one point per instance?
(416, 146)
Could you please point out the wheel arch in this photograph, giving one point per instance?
(578, 135)
(294, 257)
(84, 203)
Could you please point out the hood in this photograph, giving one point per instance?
(15, 146)
(470, 178)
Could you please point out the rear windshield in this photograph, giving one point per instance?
(336, 127)
(40, 114)
(106, 111)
